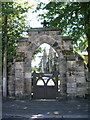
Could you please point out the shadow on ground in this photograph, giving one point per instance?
(45, 109)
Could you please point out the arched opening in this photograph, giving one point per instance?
(45, 59)
(45, 68)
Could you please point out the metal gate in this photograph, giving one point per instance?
(45, 86)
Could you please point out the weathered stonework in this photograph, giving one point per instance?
(71, 66)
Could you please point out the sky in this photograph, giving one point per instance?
(34, 23)
(36, 61)
(32, 20)
(33, 17)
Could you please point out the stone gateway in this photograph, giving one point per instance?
(71, 65)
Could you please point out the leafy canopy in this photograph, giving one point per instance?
(13, 25)
(71, 18)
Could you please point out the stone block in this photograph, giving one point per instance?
(88, 76)
(80, 74)
(63, 80)
(19, 75)
(64, 85)
(27, 75)
(80, 79)
(71, 91)
(71, 85)
(41, 33)
(19, 70)
(80, 64)
(58, 38)
(81, 85)
(27, 69)
(52, 33)
(22, 47)
(46, 33)
(19, 79)
(37, 43)
(81, 91)
(34, 33)
(19, 65)
(67, 45)
(19, 87)
(58, 32)
(11, 78)
(18, 93)
(71, 64)
(11, 93)
(28, 87)
(71, 79)
(79, 68)
(71, 57)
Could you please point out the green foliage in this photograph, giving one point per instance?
(15, 26)
(0, 47)
(38, 50)
(73, 18)
(20, 57)
(35, 69)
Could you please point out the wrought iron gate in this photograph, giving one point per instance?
(45, 86)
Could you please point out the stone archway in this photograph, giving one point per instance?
(70, 68)
(55, 41)
(45, 81)
(45, 59)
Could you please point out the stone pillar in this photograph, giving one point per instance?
(11, 81)
(88, 85)
(62, 71)
(28, 77)
(70, 65)
(71, 76)
(80, 77)
(28, 84)
(19, 79)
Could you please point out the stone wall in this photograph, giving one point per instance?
(76, 84)
(71, 66)
(11, 80)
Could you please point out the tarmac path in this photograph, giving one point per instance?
(45, 109)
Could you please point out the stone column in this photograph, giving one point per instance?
(28, 82)
(80, 77)
(19, 79)
(62, 71)
(11, 80)
(71, 76)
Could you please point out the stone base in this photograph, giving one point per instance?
(23, 97)
(87, 96)
(62, 97)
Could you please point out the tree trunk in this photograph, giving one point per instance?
(89, 54)
(88, 36)
(5, 73)
(87, 28)
(5, 62)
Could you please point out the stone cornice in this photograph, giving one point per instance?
(44, 29)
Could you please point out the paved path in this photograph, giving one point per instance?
(52, 109)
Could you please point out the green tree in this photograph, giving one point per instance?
(73, 18)
(38, 50)
(13, 17)
(13, 26)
